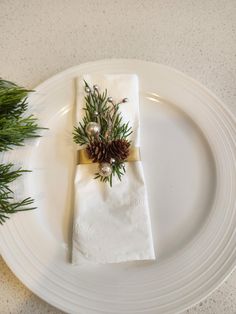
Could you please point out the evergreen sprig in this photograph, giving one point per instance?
(7, 204)
(15, 127)
(14, 130)
(13, 99)
(101, 109)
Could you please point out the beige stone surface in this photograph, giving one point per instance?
(39, 38)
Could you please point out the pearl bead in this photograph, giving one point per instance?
(96, 113)
(105, 169)
(112, 161)
(109, 99)
(95, 87)
(93, 128)
(87, 89)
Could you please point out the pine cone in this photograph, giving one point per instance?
(98, 152)
(119, 150)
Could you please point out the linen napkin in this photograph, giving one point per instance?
(112, 224)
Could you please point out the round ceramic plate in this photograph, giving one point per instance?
(188, 153)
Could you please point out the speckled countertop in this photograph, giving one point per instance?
(39, 38)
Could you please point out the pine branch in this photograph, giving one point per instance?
(7, 175)
(12, 99)
(14, 129)
(7, 204)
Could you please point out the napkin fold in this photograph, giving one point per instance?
(112, 224)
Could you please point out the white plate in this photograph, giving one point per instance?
(188, 153)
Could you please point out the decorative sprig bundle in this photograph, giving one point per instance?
(104, 134)
(14, 129)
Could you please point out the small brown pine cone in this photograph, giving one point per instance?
(119, 149)
(97, 151)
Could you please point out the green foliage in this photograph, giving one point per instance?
(99, 108)
(13, 100)
(14, 129)
(7, 204)
(14, 126)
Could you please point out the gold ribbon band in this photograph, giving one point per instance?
(82, 156)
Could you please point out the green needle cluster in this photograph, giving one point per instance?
(15, 127)
(7, 204)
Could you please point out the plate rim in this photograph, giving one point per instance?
(88, 64)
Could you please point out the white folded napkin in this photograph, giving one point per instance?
(112, 224)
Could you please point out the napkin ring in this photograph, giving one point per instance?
(83, 157)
